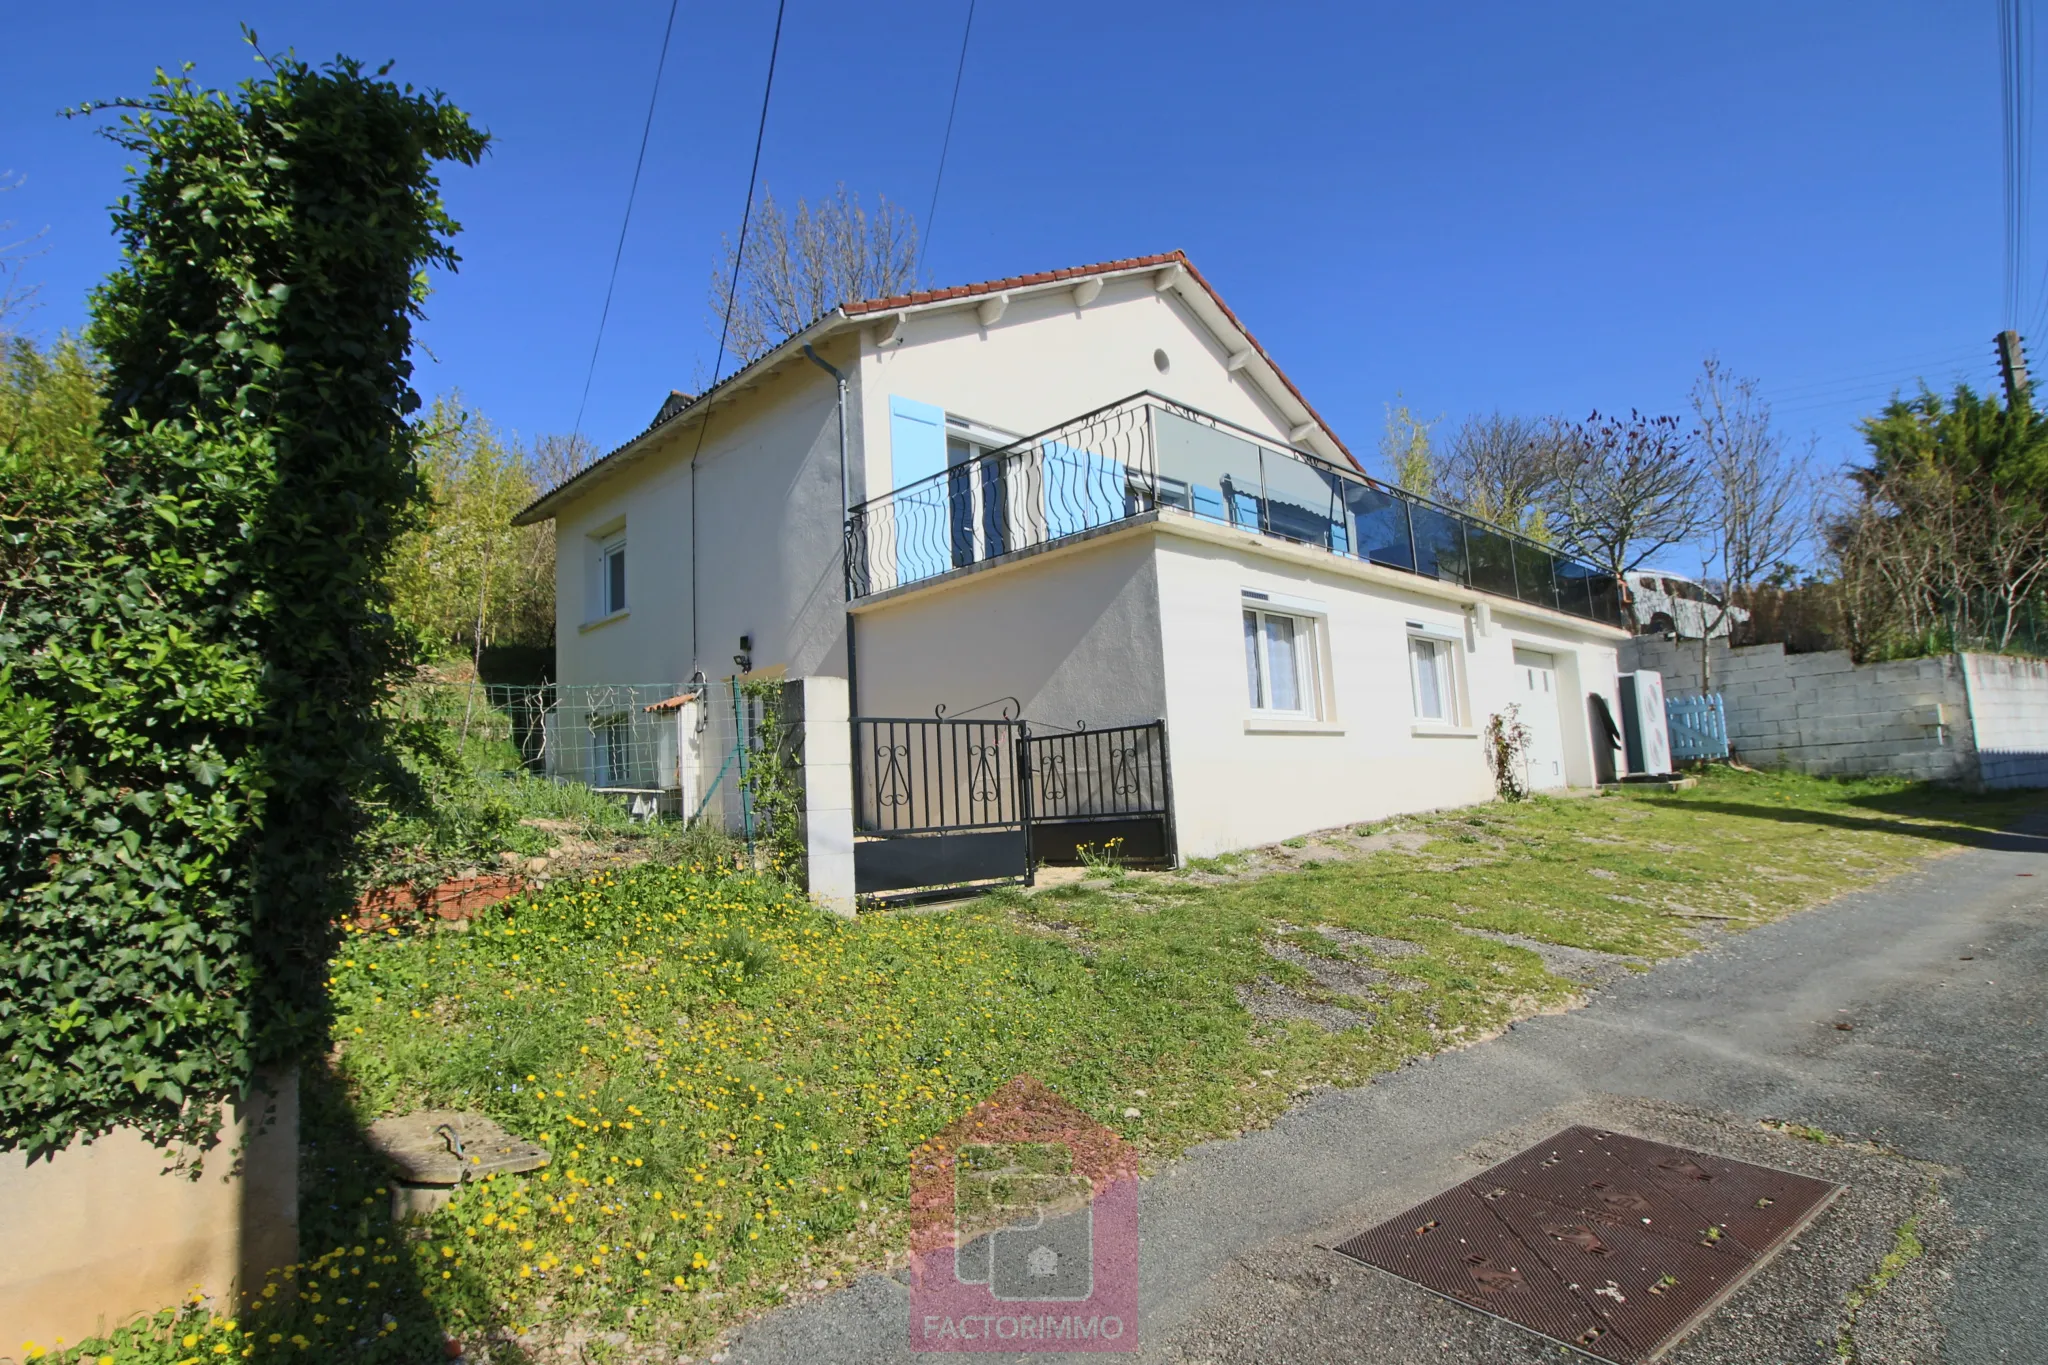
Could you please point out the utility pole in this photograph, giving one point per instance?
(2012, 366)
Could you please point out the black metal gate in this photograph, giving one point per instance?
(952, 803)
(936, 803)
(1108, 790)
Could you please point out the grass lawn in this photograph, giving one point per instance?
(732, 1082)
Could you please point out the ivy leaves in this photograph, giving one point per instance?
(196, 646)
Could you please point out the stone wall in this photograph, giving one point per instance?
(2009, 713)
(1822, 714)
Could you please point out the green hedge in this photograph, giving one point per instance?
(191, 663)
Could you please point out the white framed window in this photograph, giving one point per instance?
(604, 573)
(1282, 672)
(1433, 674)
(611, 575)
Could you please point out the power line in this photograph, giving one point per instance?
(747, 213)
(1902, 375)
(732, 293)
(931, 214)
(1865, 397)
(618, 252)
(1879, 384)
(1879, 370)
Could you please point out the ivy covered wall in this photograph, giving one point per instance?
(192, 656)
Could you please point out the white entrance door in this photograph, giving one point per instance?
(1536, 693)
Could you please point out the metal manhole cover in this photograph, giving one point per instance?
(1612, 1245)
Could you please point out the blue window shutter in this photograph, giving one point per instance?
(917, 451)
(917, 441)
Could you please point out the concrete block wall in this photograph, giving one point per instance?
(1825, 715)
(2009, 713)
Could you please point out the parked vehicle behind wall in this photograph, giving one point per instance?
(1663, 603)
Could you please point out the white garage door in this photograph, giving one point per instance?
(1536, 693)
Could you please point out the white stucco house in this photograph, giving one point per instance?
(1090, 492)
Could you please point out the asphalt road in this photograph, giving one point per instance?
(1940, 1083)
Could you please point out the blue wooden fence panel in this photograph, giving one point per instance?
(1699, 726)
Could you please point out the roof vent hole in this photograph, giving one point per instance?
(1160, 362)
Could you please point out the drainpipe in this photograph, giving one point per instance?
(845, 510)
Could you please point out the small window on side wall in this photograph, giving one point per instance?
(1281, 673)
(1433, 670)
(611, 576)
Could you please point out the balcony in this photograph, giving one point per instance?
(1148, 453)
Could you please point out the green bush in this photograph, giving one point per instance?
(191, 664)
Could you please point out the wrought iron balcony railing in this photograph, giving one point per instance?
(1146, 453)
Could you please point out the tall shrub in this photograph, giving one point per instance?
(190, 672)
(468, 577)
(49, 451)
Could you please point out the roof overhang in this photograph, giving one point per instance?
(1171, 274)
(618, 461)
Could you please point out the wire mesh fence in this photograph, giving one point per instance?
(663, 749)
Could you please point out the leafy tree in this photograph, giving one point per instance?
(1946, 546)
(1410, 459)
(192, 667)
(49, 448)
(797, 268)
(467, 575)
(1978, 439)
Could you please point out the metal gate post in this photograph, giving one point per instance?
(1024, 797)
(739, 749)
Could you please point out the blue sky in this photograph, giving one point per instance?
(1530, 208)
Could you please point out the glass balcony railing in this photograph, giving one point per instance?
(1147, 453)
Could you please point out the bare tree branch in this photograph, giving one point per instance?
(15, 297)
(1504, 469)
(1755, 493)
(1628, 489)
(798, 268)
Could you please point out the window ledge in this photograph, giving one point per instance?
(593, 624)
(1290, 725)
(1428, 730)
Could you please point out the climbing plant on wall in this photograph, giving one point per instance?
(774, 775)
(191, 665)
